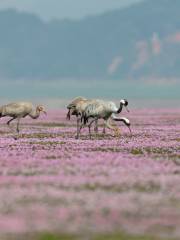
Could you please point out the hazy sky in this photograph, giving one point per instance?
(48, 9)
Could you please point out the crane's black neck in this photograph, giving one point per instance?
(124, 121)
(120, 108)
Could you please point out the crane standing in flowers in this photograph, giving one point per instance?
(77, 107)
(20, 110)
(72, 106)
(105, 110)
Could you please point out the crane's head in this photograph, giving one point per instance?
(124, 102)
(41, 108)
(124, 120)
(127, 123)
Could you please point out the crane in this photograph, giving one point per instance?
(18, 110)
(76, 107)
(72, 106)
(100, 109)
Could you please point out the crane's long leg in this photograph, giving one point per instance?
(96, 126)
(8, 123)
(89, 126)
(104, 128)
(116, 129)
(17, 128)
(78, 127)
(105, 124)
(82, 125)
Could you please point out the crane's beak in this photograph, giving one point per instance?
(130, 130)
(127, 109)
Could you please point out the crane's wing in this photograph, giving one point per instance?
(17, 109)
(94, 109)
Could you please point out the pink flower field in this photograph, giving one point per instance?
(53, 186)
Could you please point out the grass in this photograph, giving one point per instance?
(49, 143)
(115, 236)
(48, 124)
(136, 151)
(177, 139)
(151, 150)
(148, 187)
(40, 135)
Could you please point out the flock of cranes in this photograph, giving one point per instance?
(96, 109)
(87, 112)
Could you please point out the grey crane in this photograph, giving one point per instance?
(103, 110)
(20, 110)
(76, 107)
(72, 106)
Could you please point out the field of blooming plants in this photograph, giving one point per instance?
(53, 186)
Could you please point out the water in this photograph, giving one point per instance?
(57, 93)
